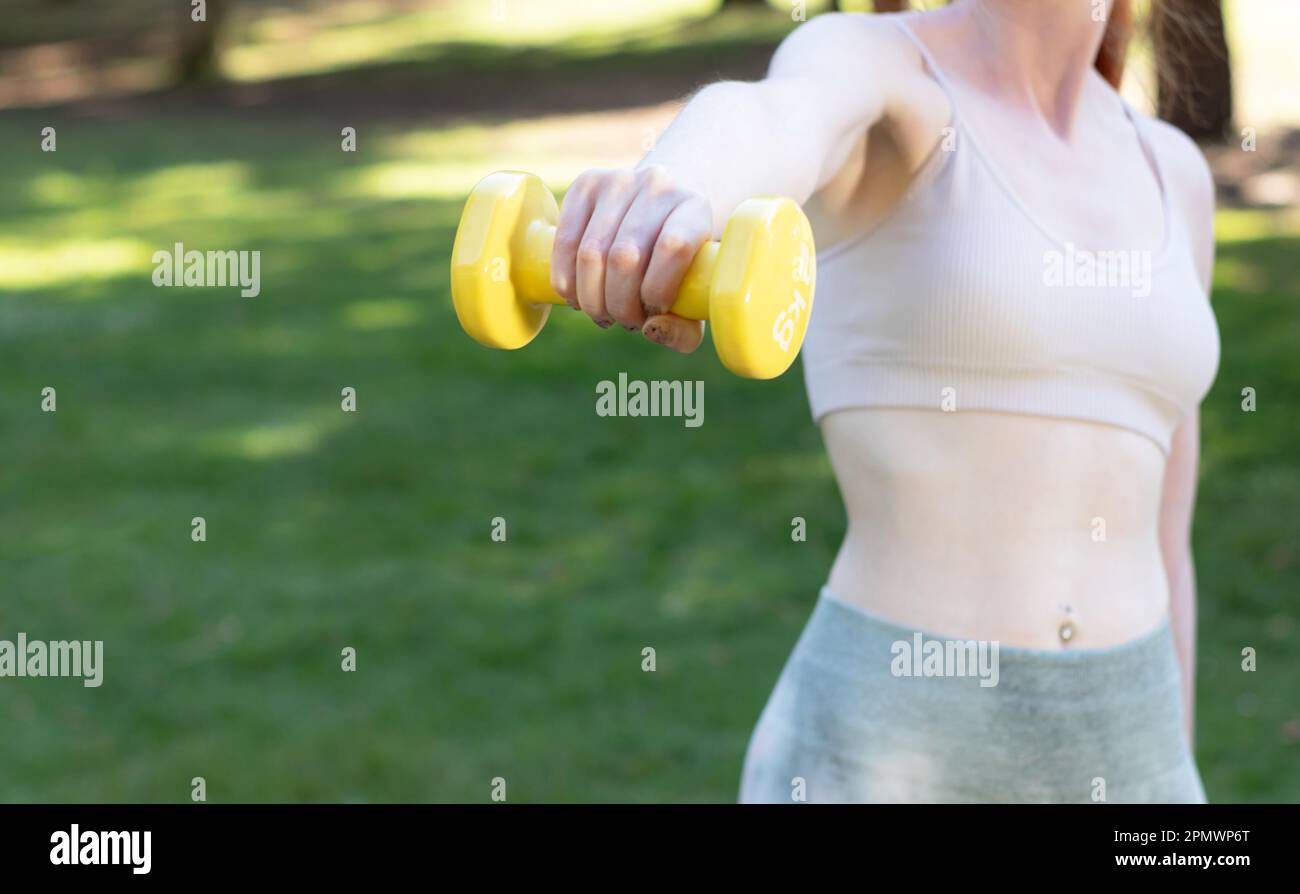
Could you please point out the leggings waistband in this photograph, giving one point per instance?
(866, 644)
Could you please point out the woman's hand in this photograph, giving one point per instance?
(626, 236)
(625, 239)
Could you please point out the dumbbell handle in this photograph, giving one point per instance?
(531, 273)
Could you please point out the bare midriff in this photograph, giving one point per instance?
(1035, 532)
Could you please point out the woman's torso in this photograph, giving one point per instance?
(999, 527)
(976, 522)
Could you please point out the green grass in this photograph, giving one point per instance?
(326, 530)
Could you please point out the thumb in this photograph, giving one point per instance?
(672, 331)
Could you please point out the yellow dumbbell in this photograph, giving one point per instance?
(755, 287)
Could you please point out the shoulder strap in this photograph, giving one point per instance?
(935, 71)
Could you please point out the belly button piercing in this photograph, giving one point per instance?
(1066, 630)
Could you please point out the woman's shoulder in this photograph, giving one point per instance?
(1189, 182)
(1184, 155)
(843, 57)
(854, 41)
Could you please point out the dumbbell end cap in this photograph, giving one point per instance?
(762, 291)
(489, 239)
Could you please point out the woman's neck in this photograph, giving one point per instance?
(1040, 52)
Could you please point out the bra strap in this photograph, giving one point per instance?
(935, 71)
(1172, 220)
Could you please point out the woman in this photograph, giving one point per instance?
(1010, 338)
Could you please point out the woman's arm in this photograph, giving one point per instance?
(1177, 504)
(626, 236)
(1194, 187)
(828, 83)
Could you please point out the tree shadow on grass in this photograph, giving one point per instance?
(488, 81)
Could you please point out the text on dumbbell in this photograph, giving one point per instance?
(784, 328)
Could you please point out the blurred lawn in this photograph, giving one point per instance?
(325, 529)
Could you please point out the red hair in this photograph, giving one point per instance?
(1114, 46)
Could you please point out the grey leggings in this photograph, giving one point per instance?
(867, 710)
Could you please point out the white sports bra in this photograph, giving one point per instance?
(960, 300)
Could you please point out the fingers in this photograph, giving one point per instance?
(686, 228)
(623, 244)
(672, 331)
(611, 207)
(574, 216)
(633, 247)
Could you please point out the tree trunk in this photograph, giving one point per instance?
(1194, 72)
(197, 59)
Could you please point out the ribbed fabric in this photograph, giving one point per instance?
(952, 290)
